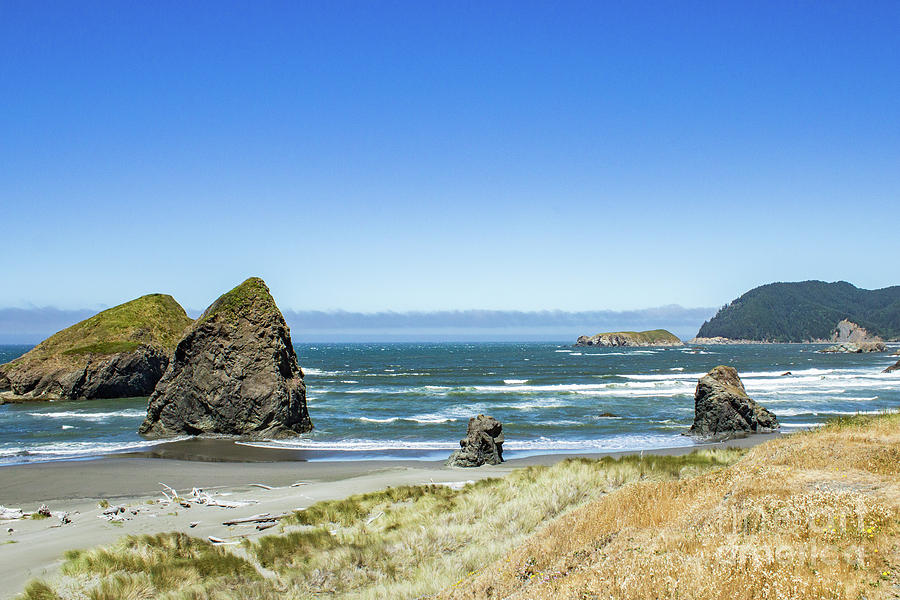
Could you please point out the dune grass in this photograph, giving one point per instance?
(402, 542)
(814, 515)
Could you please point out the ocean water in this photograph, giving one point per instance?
(394, 400)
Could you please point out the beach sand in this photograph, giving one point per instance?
(35, 548)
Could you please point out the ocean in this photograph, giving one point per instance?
(403, 400)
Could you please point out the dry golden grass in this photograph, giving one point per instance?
(813, 515)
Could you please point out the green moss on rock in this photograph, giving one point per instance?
(119, 352)
(253, 292)
(155, 320)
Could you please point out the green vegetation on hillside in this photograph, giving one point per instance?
(155, 320)
(252, 292)
(804, 311)
(654, 336)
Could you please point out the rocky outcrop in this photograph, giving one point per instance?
(722, 408)
(483, 444)
(234, 372)
(850, 338)
(854, 348)
(893, 368)
(849, 332)
(118, 353)
(656, 337)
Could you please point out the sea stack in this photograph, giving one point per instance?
(483, 444)
(656, 337)
(722, 408)
(234, 372)
(118, 353)
(850, 338)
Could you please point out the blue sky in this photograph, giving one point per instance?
(439, 156)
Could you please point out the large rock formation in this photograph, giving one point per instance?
(723, 409)
(482, 445)
(891, 369)
(120, 352)
(656, 337)
(852, 339)
(234, 372)
(854, 348)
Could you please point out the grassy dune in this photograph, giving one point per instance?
(403, 542)
(813, 515)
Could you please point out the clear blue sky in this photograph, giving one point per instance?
(424, 155)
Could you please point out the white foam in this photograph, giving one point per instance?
(514, 381)
(314, 371)
(430, 419)
(351, 445)
(820, 411)
(666, 377)
(623, 442)
(348, 381)
(422, 419)
(131, 413)
(410, 374)
(74, 449)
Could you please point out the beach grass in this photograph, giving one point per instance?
(401, 542)
(815, 515)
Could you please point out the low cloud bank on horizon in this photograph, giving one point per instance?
(31, 325)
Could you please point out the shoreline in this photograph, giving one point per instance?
(131, 473)
(35, 547)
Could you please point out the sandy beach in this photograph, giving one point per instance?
(226, 470)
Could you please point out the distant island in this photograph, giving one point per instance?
(806, 311)
(655, 337)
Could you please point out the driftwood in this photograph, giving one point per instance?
(198, 496)
(261, 518)
(10, 514)
(264, 526)
(220, 542)
(260, 485)
(298, 484)
(201, 497)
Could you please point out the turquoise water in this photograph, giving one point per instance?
(390, 400)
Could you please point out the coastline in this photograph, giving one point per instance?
(35, 548)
